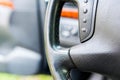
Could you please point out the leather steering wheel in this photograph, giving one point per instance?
(99, 50)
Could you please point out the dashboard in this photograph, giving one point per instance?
(68, 26)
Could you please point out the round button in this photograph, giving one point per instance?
(85, 10)
(84, 20)
(84, 30)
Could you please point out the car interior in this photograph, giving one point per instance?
(59, 40)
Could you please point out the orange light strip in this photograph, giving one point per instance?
(70, 13)
(7, 3)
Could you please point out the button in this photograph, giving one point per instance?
(85, 10)
(84, 30)
(84, 20)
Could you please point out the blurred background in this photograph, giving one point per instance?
(21, 40)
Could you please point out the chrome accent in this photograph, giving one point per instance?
(87, 12)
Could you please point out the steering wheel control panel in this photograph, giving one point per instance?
(87, 15)
(72, 33)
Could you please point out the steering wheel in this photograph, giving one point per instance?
(99, 50)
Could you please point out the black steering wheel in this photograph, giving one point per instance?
(99, 50)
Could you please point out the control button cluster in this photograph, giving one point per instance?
(87, 16)
(85, 10)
